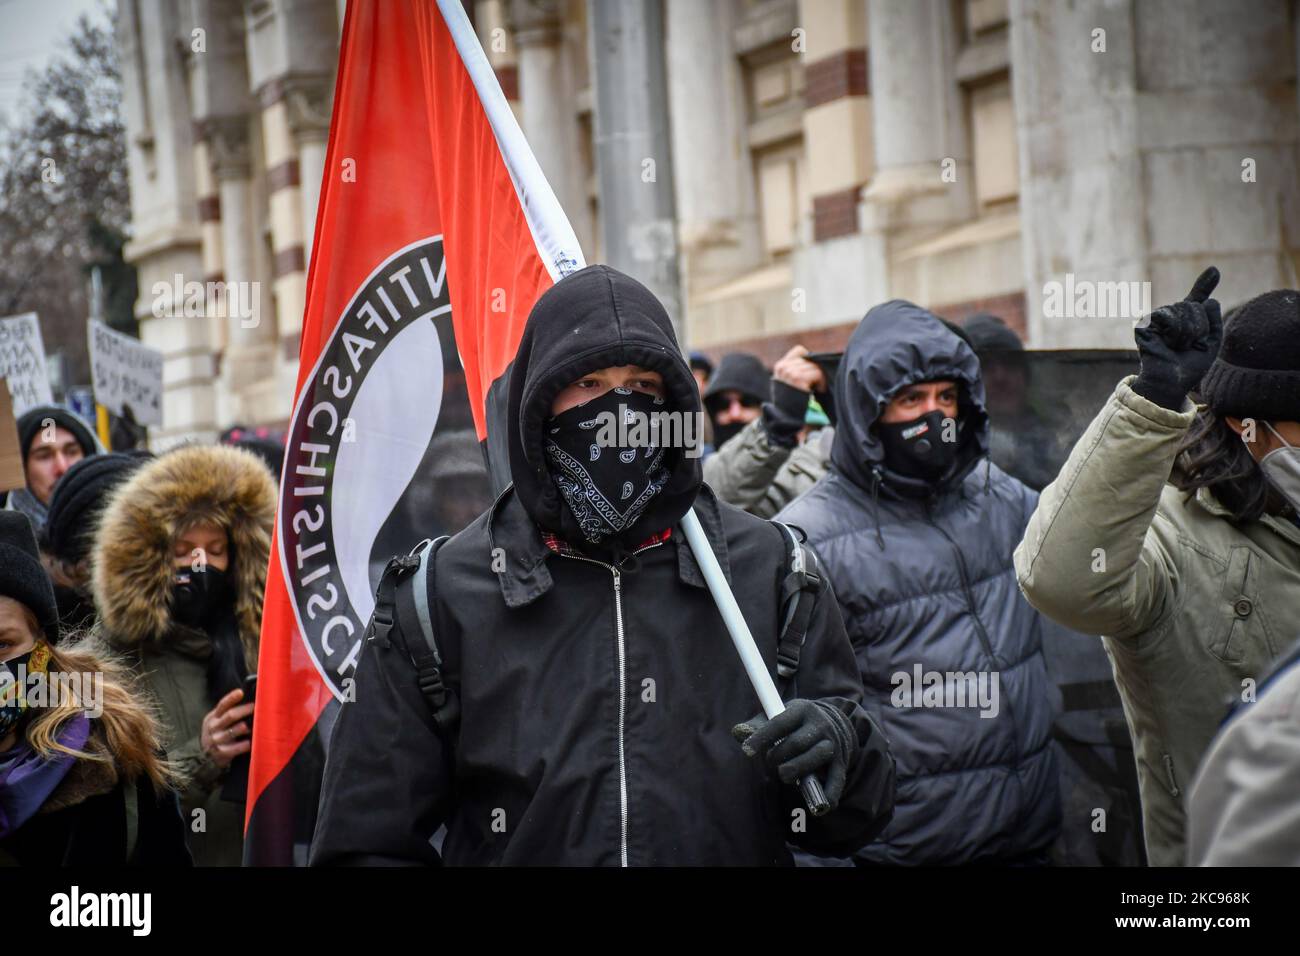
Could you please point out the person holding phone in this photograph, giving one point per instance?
(179, 573)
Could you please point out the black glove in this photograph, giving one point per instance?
(807, 736)
(1179, 344)
(785, 414)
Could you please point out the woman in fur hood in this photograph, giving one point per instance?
(82, 780)
(179, 572)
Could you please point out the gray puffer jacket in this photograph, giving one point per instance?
(925, 581)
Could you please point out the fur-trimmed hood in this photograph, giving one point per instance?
(133, 545)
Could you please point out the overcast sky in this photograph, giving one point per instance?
(31, 32)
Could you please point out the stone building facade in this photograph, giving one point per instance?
(821, 156)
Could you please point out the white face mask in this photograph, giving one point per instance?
(1281, 468)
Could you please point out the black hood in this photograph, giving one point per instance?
(895, 345)
(592, 319)
(743, 372)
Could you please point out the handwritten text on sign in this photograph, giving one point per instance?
(125, 374)
(22, 362)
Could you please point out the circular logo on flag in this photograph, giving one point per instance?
(360, 430)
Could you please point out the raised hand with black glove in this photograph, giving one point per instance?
(1179, 343)
(807, 737)
(794, 378)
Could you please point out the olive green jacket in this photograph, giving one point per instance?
(1193, 607)
(753, 473)
(174, 671)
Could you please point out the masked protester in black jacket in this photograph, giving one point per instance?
(598, 689)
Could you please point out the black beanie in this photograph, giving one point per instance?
(78, 499)
(22, 576)
(1257, 372)
(988, 333)
(744, 373)
(29, 423)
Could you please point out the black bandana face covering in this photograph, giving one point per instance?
(916, 448)
(607, 471)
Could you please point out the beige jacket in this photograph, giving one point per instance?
(1194, 608)
(1244, 808)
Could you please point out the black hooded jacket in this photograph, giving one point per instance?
(924, 576)
(596, 700)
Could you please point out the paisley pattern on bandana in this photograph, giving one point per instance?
(605, 492)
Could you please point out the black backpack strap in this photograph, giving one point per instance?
(799, 590)
(403, 600)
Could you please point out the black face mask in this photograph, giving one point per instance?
(197, 596)
(607, 483)
(916, 449)
(724, 433)
(11, 711)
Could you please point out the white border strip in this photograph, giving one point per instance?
(552, 234)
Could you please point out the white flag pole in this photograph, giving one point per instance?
(741, 637)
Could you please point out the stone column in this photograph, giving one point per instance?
(1144, 161)
(249, 355)
(209, 202)
(307, 105)
(547, 97)
(166, 242)
(840, 266)
(292, 50)
(492, 24)
(718, 224)
(922, 159)
(632, 139)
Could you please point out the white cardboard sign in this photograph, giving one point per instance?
(22, 361)
(125, 373)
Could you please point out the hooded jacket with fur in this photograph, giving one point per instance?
(133, 570)
(597, 700)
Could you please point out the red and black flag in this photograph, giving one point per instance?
(435, 234)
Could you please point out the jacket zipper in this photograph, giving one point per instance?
(983, 636)
(966, 588)
(622, 691)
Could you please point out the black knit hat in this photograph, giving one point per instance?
(29, 423)
(743, 372)
(988, 333)
(78, 499)
(22, 576)
(1257, 372)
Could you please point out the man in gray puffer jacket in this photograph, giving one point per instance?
(916, 529)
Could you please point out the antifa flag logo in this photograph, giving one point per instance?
(360, 429)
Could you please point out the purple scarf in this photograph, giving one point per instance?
(27, 779)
